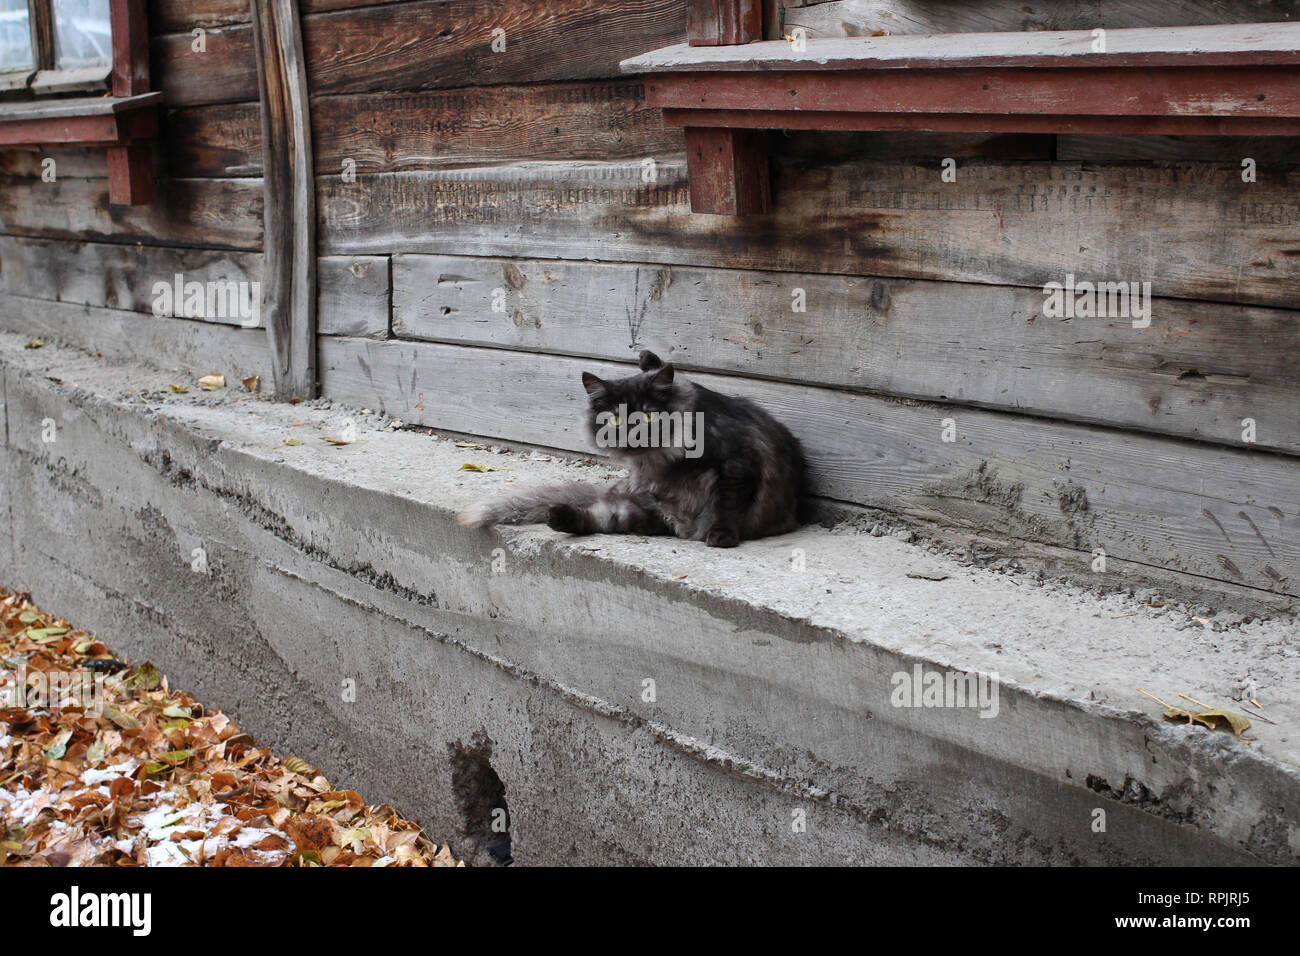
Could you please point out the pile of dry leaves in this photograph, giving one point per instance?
(101, 764)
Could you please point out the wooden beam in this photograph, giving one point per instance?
(130, 166)
(721, 22)
(1246, 92)
(289, 190)
(728, 171)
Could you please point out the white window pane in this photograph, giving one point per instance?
(82, 35)
(15, 36)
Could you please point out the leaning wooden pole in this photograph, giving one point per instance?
(289, 213)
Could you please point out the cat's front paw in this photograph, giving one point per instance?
(722, 538)
(564, 518)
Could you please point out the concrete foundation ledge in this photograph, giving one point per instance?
(823, 697)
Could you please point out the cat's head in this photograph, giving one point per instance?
(650, 393)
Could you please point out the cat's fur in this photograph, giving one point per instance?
(748, 482)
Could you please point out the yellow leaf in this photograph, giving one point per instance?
(210, 383)
(293, 441)
(250, 383)
(470, 466)
(334, 441)
(178, 389)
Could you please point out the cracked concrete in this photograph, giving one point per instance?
(773, 666)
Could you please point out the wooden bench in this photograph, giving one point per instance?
(1241, 79)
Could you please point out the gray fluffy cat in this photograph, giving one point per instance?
(735, 474)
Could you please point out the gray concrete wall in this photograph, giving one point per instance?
(327, 564)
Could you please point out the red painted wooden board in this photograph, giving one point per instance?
(987, 123)
(1130, 91)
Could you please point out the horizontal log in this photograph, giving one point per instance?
(207, 213)
(352, 294)
(221, 141)
(1224, 514)
(182, 16)
(190, 349)
(1194, 232)
(224, 71)
(569, 121)
(425, 44)
(1196, 371)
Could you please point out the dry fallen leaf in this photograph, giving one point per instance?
(153, 778)
(178, 389)
(210, 383)
(470, 466)
(250, 383)
(35, 344)
(335, 441)
(1214, 718)
(293, 441)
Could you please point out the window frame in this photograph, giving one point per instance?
(44, 78)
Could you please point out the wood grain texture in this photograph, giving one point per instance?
(182, 16)
(289, 289)
(1194, 232)
(353, 294)
(1068, 485)
(207, 213)
(221, 141)
(192, 349)
(425, 44)
(713, 22)
(225, 72)
(560, 122)
(847, 18)
(1196, 372)
(728, 171)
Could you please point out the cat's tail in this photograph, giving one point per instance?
(531, 507)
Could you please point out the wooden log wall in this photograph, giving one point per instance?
(496, 205)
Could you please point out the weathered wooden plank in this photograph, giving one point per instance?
(425, 44)
(1248, 44)
(223, 71)
(1246, 93)
(849, 18)
(196, 348)
(353, 295)
(221, 140)
(290, 199)
(1069, 485)
(182, 16)
(1196, 371)
(1194, 232)
(209, 213)
(713, 22)
(562, 122)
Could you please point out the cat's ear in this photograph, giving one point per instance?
(664, 376)
(648, 360)
(592, 384)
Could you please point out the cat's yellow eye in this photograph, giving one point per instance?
(615, 419)
(649, 416)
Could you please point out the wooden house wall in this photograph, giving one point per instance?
(518, 216)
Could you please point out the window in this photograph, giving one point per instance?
(55, 46)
